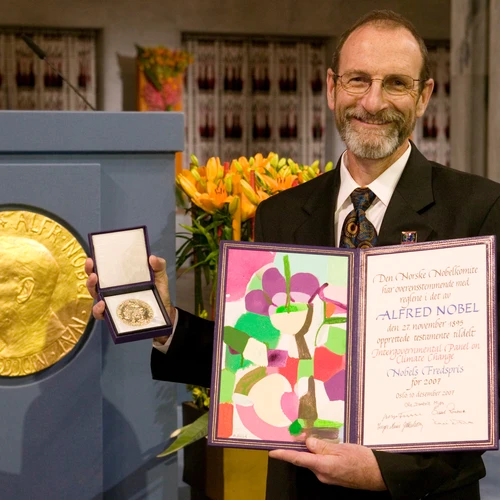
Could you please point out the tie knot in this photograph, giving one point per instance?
(362, 198)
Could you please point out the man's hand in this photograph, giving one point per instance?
(159, 267)
(348, 465)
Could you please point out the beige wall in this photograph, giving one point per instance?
(155, 22)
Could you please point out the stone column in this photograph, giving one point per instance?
(469, 85)
(493, 168)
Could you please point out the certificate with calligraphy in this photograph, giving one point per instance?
(389, 347)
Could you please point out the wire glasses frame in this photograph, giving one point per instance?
(360, 83)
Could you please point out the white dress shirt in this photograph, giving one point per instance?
(383, 187)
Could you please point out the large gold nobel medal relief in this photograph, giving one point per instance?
(44, 304)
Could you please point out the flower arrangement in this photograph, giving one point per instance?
(222, 199)
(163, 70)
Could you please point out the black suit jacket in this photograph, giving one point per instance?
(437, 202)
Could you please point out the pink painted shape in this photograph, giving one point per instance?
(336, 295)
(290, 405)
(244, 263)
(259, 428)
(272, 369)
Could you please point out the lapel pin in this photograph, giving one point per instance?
(408, 237)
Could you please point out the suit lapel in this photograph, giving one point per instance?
(412, 196)
(318, 227)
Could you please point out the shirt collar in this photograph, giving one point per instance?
(383, 186)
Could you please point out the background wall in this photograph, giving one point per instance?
(127, 22)
(161, 22)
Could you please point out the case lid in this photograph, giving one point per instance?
(121, 257)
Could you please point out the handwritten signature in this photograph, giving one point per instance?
(445, 409)
(452, 421)
(397, 416)
(400, 426)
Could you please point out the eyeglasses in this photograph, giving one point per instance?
(360, 83)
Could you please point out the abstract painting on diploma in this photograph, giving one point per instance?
(280, 353)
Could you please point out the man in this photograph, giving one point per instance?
(379, 84)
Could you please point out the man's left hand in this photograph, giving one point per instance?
(348, 465)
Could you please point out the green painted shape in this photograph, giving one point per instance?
(295, 428)
(235, 362)
(336, 340)
(335, 320)
(327, 423)
(227, 381)
(259, 327)
(338, 270)
(306, 368)
(303, 263)
(236, 339)
(255, 283)
(298, 306)
(249, 380)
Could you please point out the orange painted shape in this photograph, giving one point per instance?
(225, 420)
(330, 309)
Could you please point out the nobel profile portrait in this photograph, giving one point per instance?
(28, 278)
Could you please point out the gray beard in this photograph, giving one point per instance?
(376, 144)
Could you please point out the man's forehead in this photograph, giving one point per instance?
(381, 48)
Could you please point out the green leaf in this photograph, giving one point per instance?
(151, 76)
(140, 50)
(189, 434)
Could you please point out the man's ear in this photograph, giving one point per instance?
(424, 98)
(330, 88)
(26, 285)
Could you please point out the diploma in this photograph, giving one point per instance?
(392, 348)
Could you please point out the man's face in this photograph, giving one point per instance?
(374, 125)
(9, 291)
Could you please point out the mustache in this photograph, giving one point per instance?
(383, 116)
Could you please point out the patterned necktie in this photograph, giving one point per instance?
(358, 231)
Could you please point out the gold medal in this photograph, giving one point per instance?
(135, 312)
(44, 304)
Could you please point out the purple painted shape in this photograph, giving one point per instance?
(290, 405)
(273, 282)
(233, 351)
(335, 386)
(277, 357)
(257, 302)
(305, 283)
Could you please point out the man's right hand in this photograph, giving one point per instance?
(159, 267)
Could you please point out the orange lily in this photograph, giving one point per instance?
(214, 169)
(260, 163)
(187, 182)
(247, 208)
(214, 199)
(280, 183)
